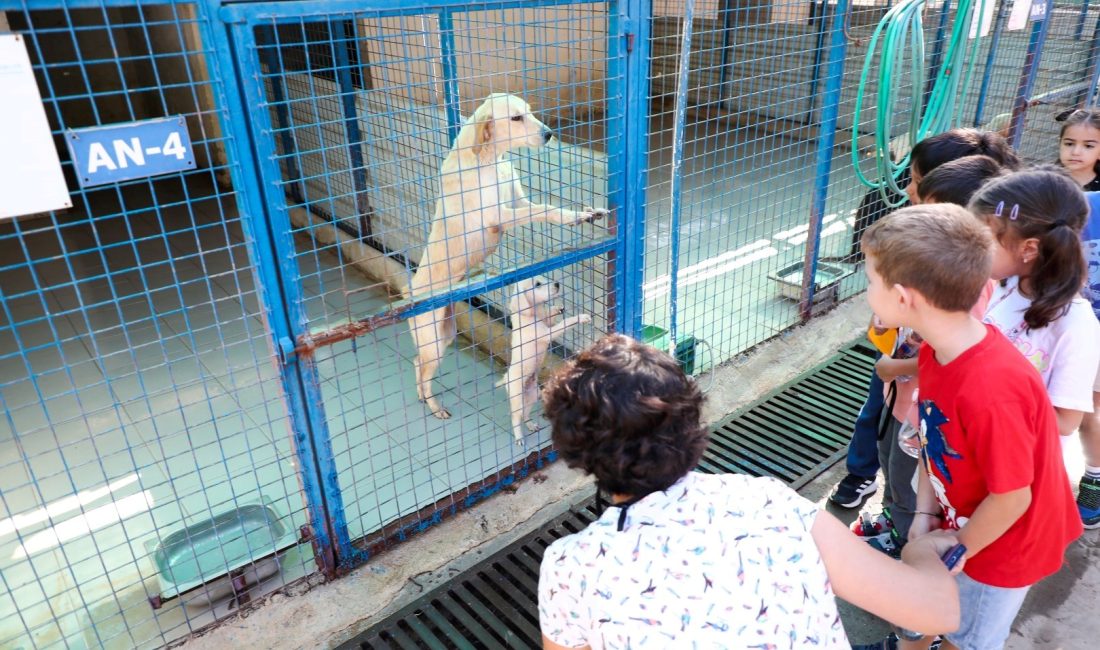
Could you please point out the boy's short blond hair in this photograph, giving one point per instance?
(940, 250)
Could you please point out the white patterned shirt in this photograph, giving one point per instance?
(715, 561)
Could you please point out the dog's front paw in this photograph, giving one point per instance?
(442, 413)
(518, 440)
(532, 426)
(588, 215)
(584, 319)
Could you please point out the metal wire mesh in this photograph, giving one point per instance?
(138, 395)
(365, 109)
(144, 404)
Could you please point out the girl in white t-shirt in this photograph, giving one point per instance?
(1037, 217)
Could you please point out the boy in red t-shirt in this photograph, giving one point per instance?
(994, 475)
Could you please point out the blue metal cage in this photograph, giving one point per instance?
(207, 375)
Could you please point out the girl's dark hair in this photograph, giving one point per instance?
(1044, 203)
(957, 181)
(1074, 117)
(627, 414)
(938, 149)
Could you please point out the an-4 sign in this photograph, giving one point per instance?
(122, 152)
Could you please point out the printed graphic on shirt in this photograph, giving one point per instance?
(718, 561)
(936, 449)
(1092, 287)
(934, 452)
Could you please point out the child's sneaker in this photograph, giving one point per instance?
(867, 526)
(1088, 501)
(852, 490)
(888, 543)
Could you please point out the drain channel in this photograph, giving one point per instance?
(793, 433)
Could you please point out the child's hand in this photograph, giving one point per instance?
(922, 525)
(945, 540)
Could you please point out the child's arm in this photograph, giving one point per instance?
(1068, 420)
(994, 515)
(929, 601)
(890, 369)
(928, 511)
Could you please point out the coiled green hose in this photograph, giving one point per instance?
(903, 24)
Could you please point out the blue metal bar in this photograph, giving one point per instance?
(634, 24)
(1028, 74)
(937, 54)
(34, 5)
(406, 309)
(1094, 66)
(449, 67)
(676, 180)
(821, 19)
(724, 78)
(1079, 29)
(348, 94)
(351, 9)
(282, 115)
(265, 220)
(826, 138)
(990, 57)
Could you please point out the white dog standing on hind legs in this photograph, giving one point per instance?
(533, 328)
(480, 197)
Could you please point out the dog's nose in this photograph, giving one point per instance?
(557, 286)
(547, 134)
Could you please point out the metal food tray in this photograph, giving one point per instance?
(218, 547)
(828, 276)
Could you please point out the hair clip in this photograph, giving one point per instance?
(1064, 115)
(1013, 214)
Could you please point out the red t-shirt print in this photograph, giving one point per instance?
(987, 426)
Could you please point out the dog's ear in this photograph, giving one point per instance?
(483, 132)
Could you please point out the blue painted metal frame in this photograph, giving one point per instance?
(676, 180)
(990, 57)
(629, 196)
(277, 11)
(1030, 71)
(244, 174)
(826, 138)
(449, 67)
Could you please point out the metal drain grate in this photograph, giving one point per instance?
(793, 433)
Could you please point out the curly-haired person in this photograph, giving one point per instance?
(692, 560)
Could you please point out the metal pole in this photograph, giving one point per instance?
(676, 181)
(348, 94)
(990, 57)
(449, 67)
(629, 194)
(826, 138)
(1030, 71)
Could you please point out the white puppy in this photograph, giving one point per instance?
(480, 197)
(533, 328)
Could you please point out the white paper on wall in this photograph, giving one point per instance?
(1021, 9)
(31, 180)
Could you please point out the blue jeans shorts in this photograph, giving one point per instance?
(987, 614)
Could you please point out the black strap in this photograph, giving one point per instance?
(888, 410)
